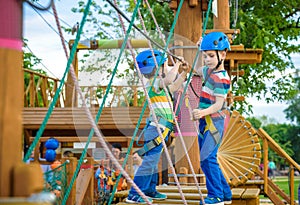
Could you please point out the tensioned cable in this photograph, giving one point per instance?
(157, 26)
(191, 73)
(132, 139)
(150, 106)
(36, 10)
(152, 111)
(56, 95)
(196, 57)
(174, 116)
(137, 28)
(41, 8)
(41, 62)
(102, 141)
(176, 123)
(173, 26)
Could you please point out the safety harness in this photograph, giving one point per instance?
(168, 129)
(208, 119)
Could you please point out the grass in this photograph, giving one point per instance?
(283, 184)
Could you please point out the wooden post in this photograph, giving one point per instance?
(71, 167)
(89, 195)
(189, 25)
(222, 21)
(265, 149)
(11, 92)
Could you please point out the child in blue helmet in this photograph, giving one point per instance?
(211, 115)
(146, 177)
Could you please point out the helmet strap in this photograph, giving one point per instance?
(219, 61)
(215, 68)
(163, 74)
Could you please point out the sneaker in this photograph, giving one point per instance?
(136, 199)
(227, 200)
(213, 201)
(157, 196)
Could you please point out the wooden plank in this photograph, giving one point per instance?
(251, 193)
(82, 183)
(21, 201)
(237, 192)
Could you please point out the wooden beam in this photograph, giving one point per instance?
(108, 44)
(11, 92)
(83, 182)
(222, 20)
(84, 139)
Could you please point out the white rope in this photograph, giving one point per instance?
(157, 26)
(96, 129)
(174, 116)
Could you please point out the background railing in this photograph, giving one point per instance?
(39, 91)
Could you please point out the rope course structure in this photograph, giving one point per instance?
(229, 153)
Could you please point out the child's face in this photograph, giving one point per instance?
(211, 58)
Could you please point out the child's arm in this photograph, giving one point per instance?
(181, 78)
(171, 75)
(197, 113)
(178, 82)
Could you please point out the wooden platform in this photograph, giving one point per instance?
(72, 124)
(240, 196)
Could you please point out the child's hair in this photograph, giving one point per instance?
(150, 75)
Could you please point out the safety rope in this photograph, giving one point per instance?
(148, 99)
(183, 95)
(76, 84)
(173, 114)
(132, 139)
(56, 95)
(94, 126)
(157, 26)
(195, 59)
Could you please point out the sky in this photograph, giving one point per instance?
(45, 43)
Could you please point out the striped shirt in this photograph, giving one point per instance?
(217, 84)
(160, 100)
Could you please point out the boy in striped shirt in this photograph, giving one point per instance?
(210, 114)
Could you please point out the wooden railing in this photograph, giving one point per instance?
(119, 96)
(271, 189)
(39, 90)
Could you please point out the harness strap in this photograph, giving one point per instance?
(168, 129)
(213, 130)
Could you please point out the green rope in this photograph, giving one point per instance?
(145, 105)
(101, 107)
(56, 95)
(195, 60)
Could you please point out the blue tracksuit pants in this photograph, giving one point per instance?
(146, 177)
(216, 184)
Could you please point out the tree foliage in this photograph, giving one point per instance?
(292, 112)
(278, 35)
(286, 136)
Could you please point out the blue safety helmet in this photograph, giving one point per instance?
(146, 61)
(215, 41)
